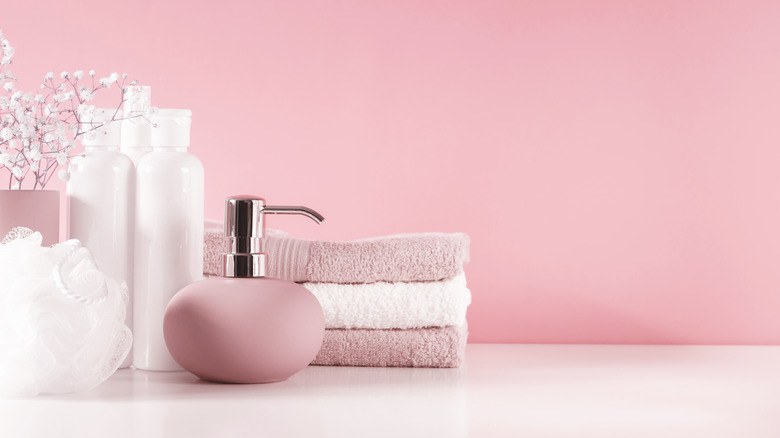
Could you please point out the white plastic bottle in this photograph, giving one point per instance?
(136, 128)
(168, 233)
(100, 196)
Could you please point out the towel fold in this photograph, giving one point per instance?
(402, 257)
(398, 305)
(436, 347)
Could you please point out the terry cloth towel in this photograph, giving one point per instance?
(436, 347)
(396, 305)
(402, 257)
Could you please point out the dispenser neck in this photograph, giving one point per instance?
(245, 265)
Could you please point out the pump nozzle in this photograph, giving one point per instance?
(282, 209)
(244, 229)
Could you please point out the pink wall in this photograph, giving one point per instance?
(615, 163)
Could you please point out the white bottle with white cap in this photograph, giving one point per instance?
(168, 233)
(100, 195)
(136, 127)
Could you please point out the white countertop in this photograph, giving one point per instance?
(502, 390)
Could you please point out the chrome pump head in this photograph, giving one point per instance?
(244, 229)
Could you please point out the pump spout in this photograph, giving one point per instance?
(284, 209)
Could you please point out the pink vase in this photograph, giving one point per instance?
(38, 210)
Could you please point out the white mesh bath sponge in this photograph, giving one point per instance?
(61, 320)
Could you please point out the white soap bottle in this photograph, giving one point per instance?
(168, 233)
(136, 127)
(100, 197)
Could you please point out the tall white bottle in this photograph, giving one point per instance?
(137, 128)
(168, 233)
(100, 196)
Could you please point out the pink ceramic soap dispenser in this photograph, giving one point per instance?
(244, 327)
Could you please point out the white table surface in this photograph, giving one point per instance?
(502, 390)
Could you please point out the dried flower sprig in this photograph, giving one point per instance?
(38, 131)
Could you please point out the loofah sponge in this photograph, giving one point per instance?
(61, 320)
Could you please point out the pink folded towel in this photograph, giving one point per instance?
(434, 347)
(403, 257)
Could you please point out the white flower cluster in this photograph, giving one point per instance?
(6, 51)
(38, 131)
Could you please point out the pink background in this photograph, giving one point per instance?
(615, 163)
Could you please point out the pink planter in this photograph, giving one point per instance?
(38, 210)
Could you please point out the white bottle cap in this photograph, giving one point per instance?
(136, 129)
(172, 128)
(100, 129)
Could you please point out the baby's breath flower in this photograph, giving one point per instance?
(6, 50)
(85, 111)
(42, 128)
(26, 131)
(86, 94)
(34, 154)
(62, 138)
(110, 80)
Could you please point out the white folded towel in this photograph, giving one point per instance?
(398, 305)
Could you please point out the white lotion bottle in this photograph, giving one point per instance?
(168, 233)
(100, 197)
(136, 127)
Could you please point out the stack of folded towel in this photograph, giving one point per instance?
(391, 301)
